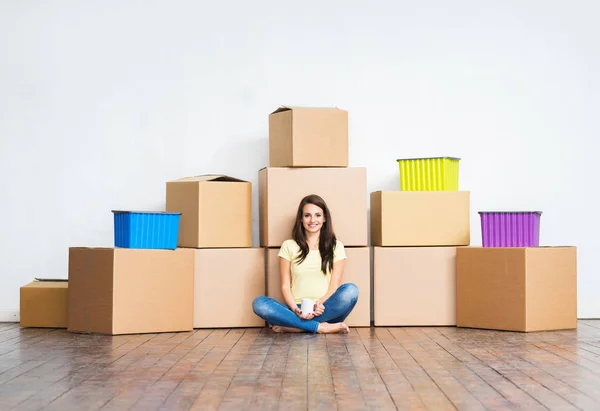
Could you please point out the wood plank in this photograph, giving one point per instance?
(294, 382)
(486, 354)
(372, 386)
(270, 378)
(429, 392)
(487, 395)
(526, 360)
(370, 368)
(399, 388)
(345, 381)
(129, 372)
(197, 368)
(411, 340)
(246, 358)
(591, 323)
(457, 342)
(81, 364)
(320, 383)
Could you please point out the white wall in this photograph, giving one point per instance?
(102, 102)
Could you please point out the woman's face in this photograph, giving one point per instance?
(312, 218)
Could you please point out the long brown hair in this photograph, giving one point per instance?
(327, 239)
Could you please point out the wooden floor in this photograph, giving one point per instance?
(237, 369)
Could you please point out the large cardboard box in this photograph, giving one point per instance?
(308, 137)
(226, 283)
(130, 291)
(343, 189)
(517, 289)
(414, 286)
(420, 218)
(216, 211)
(44, 304)
(357, 270)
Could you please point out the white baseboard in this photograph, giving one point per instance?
(8, 316)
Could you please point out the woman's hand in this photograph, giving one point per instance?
(308, 316)
(319, 308)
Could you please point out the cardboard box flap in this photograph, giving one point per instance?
(52, 280)
(47, 283)
(288, 108)
(212, 177)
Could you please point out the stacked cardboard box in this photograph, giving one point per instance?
(208, 280)
(415, 235)
(130, 291)
(43, 303)
(517, 288)
(308, 154)
(511, 283)
(114, 291)
(216, 225)
(424, 270)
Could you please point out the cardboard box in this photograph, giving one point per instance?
(357, 270)
(420, 218)
(216, 211)
(226, 283)
(44, 304)
(308, 137)
(343, 189)
(517, 289)
(414, 286)
(130, 291)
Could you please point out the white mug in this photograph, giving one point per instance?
(307, 306)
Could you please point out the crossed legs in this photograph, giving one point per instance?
(337, 308)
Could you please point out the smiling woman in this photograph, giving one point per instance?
(311, 266)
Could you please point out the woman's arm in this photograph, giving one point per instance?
(286, 284)
(336, 280)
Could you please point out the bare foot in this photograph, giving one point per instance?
(326, 328)
(281, 329)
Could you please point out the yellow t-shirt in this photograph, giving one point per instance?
(308, 281)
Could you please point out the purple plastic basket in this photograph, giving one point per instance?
(510, 228)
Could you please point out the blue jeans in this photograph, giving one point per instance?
(337, 308)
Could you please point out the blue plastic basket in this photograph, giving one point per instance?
(156, 230)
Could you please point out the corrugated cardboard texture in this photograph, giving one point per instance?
(127, 291)
(44, 304)
(343, 189)
(356, 270)
(90, 290)
(420, 218)
(216, 213)
(153, 291)
(280, 139)
(414, 286)
(517, 289)
(491, 288)
(226, 283)
(184, 197)
(308, 137)
(263, 208)
(551, 288)
(210, 177)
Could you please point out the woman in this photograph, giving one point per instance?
(311, 266)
